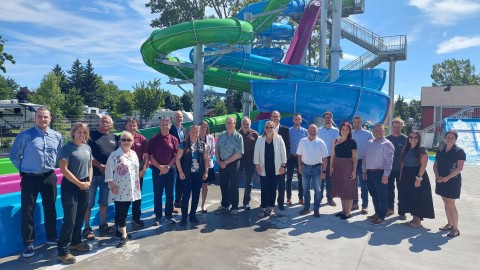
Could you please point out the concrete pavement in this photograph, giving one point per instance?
(287, 241)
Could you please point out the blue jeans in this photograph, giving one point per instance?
(378, 191)
(362, 183)
(327, 183)
(311, 176)
(160, 183)
(246, 173)
(192, 186)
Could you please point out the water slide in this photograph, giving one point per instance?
(468, 136)
(297, 48)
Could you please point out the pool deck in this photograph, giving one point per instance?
(287, 241)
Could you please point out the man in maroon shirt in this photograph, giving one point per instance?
(162, 149)
(141, 149)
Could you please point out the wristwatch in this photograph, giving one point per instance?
(283, 166)
(168, 167)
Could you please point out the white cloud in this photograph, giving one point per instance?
(458, 43)
(349, 57)
(447, 12)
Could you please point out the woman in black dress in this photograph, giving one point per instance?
(417, 193)
(447, 167)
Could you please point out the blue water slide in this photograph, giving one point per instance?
(279, 31)
(295, 7)
(314, 98)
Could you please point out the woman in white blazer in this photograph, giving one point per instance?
(269, 158)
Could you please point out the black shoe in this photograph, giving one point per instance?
(183, 222)
(339, 214)
(122, 242)
(138, 223)
(194, 220)
(28, 252)
(346, 217)
(246, 207)
(316, 213)
(331, 203)
(281, 207)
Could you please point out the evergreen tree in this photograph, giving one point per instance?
(64, 83)
(89, 86)
(75, 78)
(187, 101)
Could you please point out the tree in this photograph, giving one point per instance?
(23, 94)
(173, 102)
(148, 98)
(220, 108)
(125, 103)
(415, 112)
(4, 56)
(106, 95)
(187, 101)
(50, 94)
(72, 108)
(89, 86)
(454, 72)
(8, 87)
(75, 78)
(64, 84)
(401, 108)
(175, 12)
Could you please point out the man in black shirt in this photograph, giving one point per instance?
(285, 133)
(102, 143)
(398, 140)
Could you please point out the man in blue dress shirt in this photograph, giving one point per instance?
(34, 154)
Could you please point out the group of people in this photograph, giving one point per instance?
(326, 158)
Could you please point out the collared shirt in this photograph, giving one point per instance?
(210, 147)
(249, 140)
(312, 152)
(228, 145)
(34, 151)
(123, 171)
(296, 134)
(163, 148)
(361, 136)
(328, 135)
(140, 146)
(181, 133)
(378, 156)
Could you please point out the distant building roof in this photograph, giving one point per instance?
(468, 95)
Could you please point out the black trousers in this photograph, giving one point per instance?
(121, 213)
(136, 205)
(229, 185)
(74, 203)
(394, 177)
(268, 185)
(46, 185)
(292, 164)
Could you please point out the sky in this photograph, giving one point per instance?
(43, 33)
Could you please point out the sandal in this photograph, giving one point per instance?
(263, 214)
(447, 227)
(453, 233)
(204, 211)
(88, 234)
(106, 229)
(413, 225)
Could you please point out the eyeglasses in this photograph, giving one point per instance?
(412, 137)
(231, 123)
(269, 127)
(125, 140)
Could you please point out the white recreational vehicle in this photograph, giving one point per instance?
(14, 115)
(155, 119)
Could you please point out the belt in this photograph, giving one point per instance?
(313, 166)
(376, 170)
(38, 174)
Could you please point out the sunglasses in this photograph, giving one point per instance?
(125, 140)
(268, 127)
(412, 137)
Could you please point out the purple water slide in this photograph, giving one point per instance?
(302, 35)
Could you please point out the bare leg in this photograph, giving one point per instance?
(204, 194)
(103, 214)
(87, 217)
(453, 213)
(447, 211)
(123, 231)
(348, 207)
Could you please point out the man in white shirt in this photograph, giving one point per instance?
(361, 137)
(328, 133)
(312, 153)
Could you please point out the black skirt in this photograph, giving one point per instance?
(450, 189)
(417, 200)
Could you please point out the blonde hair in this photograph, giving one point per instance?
(126, 134)
(79, 125)
(398, 120)
(264, 134)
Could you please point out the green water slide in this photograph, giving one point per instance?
(232, 31)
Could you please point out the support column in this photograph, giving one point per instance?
(247, 100)
(391, 93)
(323, 33)
(335, 49)
(198, 109)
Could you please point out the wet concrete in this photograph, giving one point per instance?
(287, 241)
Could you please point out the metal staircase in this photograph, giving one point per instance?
(379, 49)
